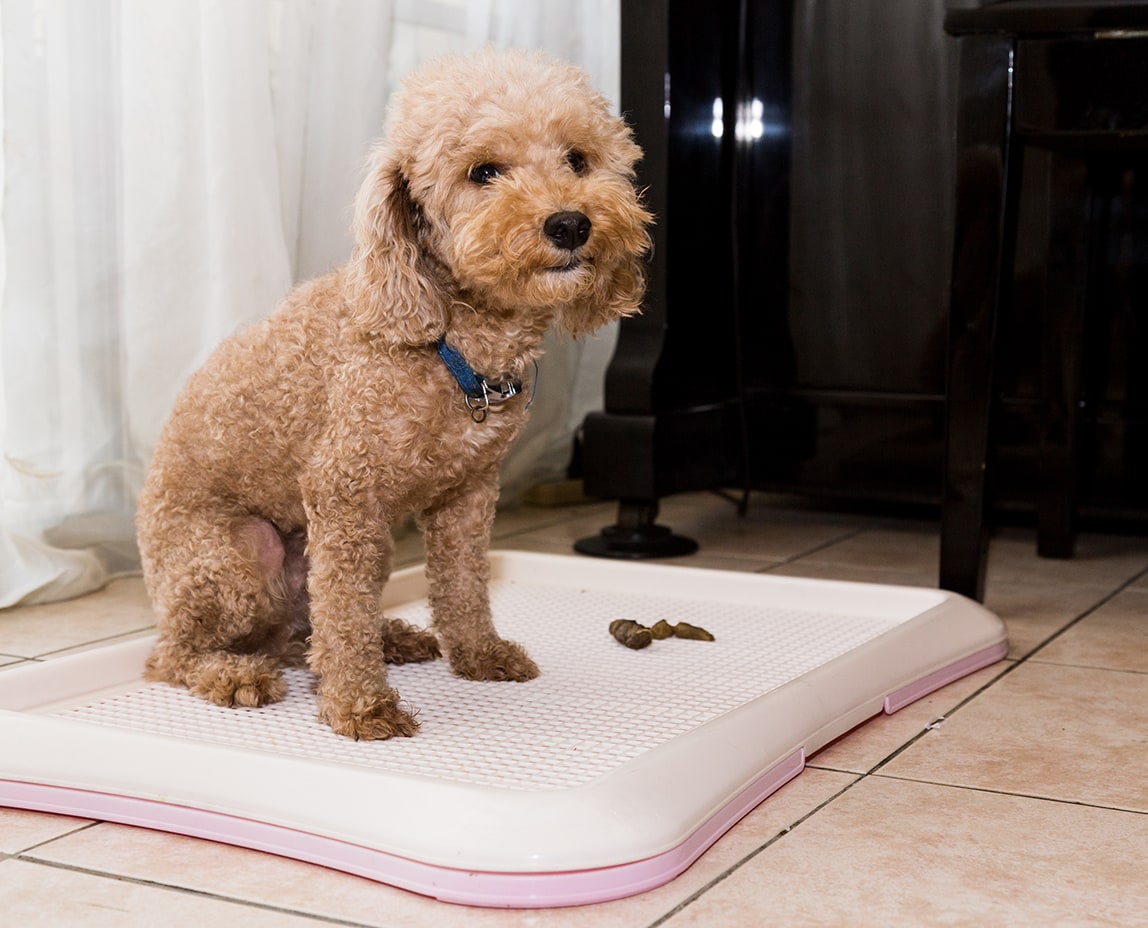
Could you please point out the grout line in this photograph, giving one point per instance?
(1005, 792)
(1008, 668)
(1133, 671)
(510, 532)
(737, 865)
(829, 543)
(90, 823)
(86, 645)
(1103, 601)
(20, 662)
(203, 894)
(1011, 665)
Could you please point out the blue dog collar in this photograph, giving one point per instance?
(479, 393)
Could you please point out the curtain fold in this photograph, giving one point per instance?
(63, 454)
(170, 170)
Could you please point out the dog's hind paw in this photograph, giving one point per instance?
(498, 660)
(376, 723)
(405, 644)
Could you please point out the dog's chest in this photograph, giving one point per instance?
(407, 433)
(473, 444)
(424, 448)
(491, 438)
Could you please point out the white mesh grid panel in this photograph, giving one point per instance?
(596, 705)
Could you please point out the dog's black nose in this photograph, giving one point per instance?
(567, 229)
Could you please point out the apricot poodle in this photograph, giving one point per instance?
(501, 199)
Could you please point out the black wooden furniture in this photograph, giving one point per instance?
(803, 349)
(689, 392)
(1068, 79)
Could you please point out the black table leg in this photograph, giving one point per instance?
(988, 182)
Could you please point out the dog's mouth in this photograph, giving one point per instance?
(567, 267)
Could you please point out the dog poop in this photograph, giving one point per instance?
(635, 635)
(630, 633)
(685, 630)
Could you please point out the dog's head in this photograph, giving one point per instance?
(505, 183)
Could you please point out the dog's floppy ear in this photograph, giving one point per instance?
(393, 287)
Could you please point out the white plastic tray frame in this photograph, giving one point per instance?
(639, 804)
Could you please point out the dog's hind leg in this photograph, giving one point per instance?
(221, 677)
(405, 644)
(225, 609)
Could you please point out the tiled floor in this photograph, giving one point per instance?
(1026, 805)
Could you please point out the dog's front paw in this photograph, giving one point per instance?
(497, 660)
(372, 722)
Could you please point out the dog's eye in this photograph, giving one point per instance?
(576, 160)
(483, 173)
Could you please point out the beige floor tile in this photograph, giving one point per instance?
(909, 548)
(509, 523)
(559, 539)
(35, 896)
(764, 535)
(517, 519)
(544, 543)
(866, 746)
(773, 533)
(236, 873)
(21, 830)
(1070, 733)
(1034, 613)
(261, 878)
(99, 643)
(920, 575)
(554, 537)
(706, 559)
(1099, 560)
(1114, 637)
(1024, 590)
(34, 631)
(541, 542)
(896, 853)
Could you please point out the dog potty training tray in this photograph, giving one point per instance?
(607, 775)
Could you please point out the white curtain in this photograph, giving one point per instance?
(170, 168)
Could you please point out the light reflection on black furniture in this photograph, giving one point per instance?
(697, 380)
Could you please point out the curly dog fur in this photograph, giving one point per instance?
(501, 199)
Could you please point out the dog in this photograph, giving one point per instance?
(501, 199)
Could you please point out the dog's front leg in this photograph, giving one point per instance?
(457, 537)
(348, 567)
